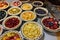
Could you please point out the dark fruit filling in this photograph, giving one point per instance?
(51, 23)
(37, 3)
(2, 14)
(40, 11)
(12, 22)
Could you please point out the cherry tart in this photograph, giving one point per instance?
(12, 22)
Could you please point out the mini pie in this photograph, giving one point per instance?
(11, 35)
(4, 4)
(12, 22)
(16, 3)
(50, 24)
(28, 15)
(3, 15)
(31, 30)
(14, 11)
(41, 11)
(26, 6)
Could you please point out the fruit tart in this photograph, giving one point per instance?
(12, 22)
(26, 6)
(3, 15)
(14, 11)
(50, 24)
(32, 30)
(28, 16)
(4, 4)
(11, 35)
(16, 3)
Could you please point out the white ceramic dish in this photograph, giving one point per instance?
(25, 12)
(16, 13)
(36, 38)
(42, 9)
(48, 29)
(13, 27)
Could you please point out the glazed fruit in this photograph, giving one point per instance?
(14, 11)
(3, 4)
(11, 36)
(51, 23)
(12, 22)
(28, 15)
(3, 14)
(40, 11)
(16, 3)
(26, 6)
(31, 30)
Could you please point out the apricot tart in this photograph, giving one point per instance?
(32, 30)
(14, 11)
(50, 24)
(11, 35)
(26, 6)
(3, 15)
(4, 4)
(28, 15)
(12, 22)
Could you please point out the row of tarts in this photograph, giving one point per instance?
(31, 30)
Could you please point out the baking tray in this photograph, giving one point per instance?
(47, 35)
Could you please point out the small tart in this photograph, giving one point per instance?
(50, 24)
(1, 29)
(40, 11)
(12, 22)
(14, 11)
(3, 15)
(26, 6)
(16, 3)
(37, 3)
(32, 30)
(28, 16)
(4, 4)
(11, 35)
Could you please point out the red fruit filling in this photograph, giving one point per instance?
(16, 3)
(12, 22)
(2, 4)
(13, 37)
(51, 23)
